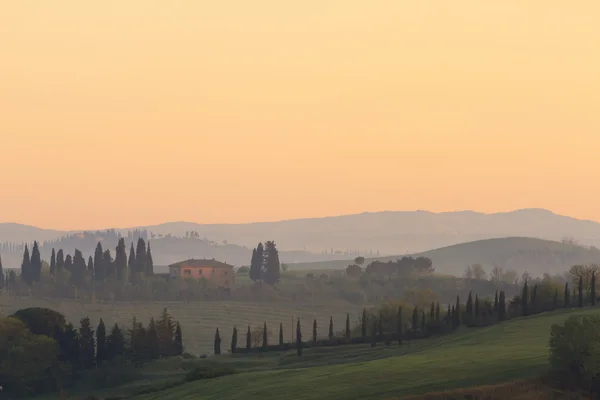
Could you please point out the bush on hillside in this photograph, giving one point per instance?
(575, 351)
(202, 372)
(41, 321)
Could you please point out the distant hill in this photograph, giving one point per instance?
(341, 237)
(394, 232)
(535, 256)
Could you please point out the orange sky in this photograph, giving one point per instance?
(131, 112)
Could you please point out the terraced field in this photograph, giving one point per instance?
(198, 320)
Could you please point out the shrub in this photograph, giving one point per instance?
(41, 321)
(575, 351)
(208, 372)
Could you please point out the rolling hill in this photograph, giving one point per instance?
(385, 233)
(513, 351)
(535, 256)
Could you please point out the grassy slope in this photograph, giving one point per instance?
(198, 319)
(513, 350)
(520, 253)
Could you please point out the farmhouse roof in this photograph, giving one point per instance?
(192, 262)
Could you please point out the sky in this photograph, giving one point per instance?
(124, 113)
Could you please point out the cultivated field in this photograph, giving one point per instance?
(510, 351)
(199, 319)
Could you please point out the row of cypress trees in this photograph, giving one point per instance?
(99, 267)
(419, 323)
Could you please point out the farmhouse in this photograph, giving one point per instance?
(220, 274)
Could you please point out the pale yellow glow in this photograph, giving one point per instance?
(130, 112)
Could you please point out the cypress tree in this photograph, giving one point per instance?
(315, 331)
(555, 300)
(78, 269)
(152, 340)
(140, 256)
(217, 342)
(449, 316)
(115, 343)
(149, 262)
(567, 296)
(525, 299)
(265, 337)
(26, 267)
(109, 264)
(121, 260)
(502, 306)
(533, 306)
(178, 340)
(330, 328)
(165, 328)
(415, 319)
(131, 265)
(101, 353)
(580, 292)
(457, 312)
(257, 263)
(280, 334)
(60, 260)
(496, 303)
(374, 334)
(399, 326)
(593, 289)
(298, 339)
(90, 267)
(347, 326)
(69, 263)
(453, 313)
(272, 266)
(248, 338)
(423, 321)
(52, 262)
(87, 349)
(2, 278)
(234, 340)
(35, 263)
(432, 312)
(99, 266)
(469, 309)
(364, 325)
(477, 311)
(437, 312)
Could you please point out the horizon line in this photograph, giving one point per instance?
(130, 228)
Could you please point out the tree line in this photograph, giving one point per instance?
(41, 352)
(79, 272)
(390, 323)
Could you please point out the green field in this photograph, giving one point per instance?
(198, 319)
(512, 350)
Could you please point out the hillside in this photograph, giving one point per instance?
(513, 350)
(341, 237)
(391, 232)
(535, 256)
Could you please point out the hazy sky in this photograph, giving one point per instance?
(131, 112)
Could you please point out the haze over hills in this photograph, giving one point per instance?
(395, 232)
(536, 256)
(392, 232)
(387, 232)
